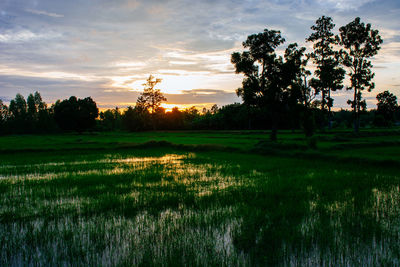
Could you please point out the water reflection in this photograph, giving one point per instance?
(176, 208)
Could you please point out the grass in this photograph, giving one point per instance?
(119, 203)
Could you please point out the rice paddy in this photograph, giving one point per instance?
(168, 207)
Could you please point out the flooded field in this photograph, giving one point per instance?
(162, 208)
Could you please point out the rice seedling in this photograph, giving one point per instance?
(152, 207)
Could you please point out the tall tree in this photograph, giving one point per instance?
(261, 68)
(151, 98)
(268, 78)
(329, 74)
(18, 114)
(32, 109)
(35, 103)
(360, 43)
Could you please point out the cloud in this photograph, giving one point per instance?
(345, 4)
(15, 37)
(389, 34)
(131, 4)
(176, 62)
(203, 92)
(25, 36)
(50, 89)
(41, 12)
(44, 74)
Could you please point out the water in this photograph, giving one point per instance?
(196, 209)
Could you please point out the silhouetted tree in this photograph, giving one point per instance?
(386, 107)
(88, 112)
(76, 114)
(329, 74)
(151, 98)
(360, 43)
(32, 110)
(268, 78)
(18, 107)
(35, 103)
(261, 68)
(36, 112)
(18, 114)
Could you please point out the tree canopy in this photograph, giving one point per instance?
(76, 114)
(360, 43)
(151, 98)
(269, 78)
(387, 106)
(329, 75)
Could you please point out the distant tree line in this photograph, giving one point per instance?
(235, 117)
(79, 115)
(34, 116)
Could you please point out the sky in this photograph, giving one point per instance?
(106, 49)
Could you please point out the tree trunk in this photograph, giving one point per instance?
(329, 111)
(355, 108)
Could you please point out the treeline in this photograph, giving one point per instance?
(236, 117)
(78, 115)
(34, 116)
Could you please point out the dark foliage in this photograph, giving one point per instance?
(135, 119)
(31, 116)
(269, 80)
(329, 74)
(76, 114)
(110, 120)
(360, 43)
(386, 111)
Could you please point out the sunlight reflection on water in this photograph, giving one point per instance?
(209, 233)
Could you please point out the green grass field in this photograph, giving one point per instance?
(200, 199)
